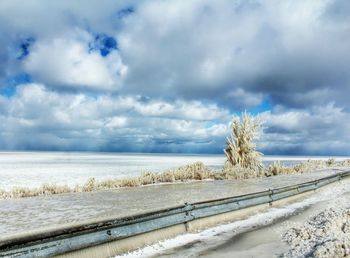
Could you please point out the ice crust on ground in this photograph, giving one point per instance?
(324, 235)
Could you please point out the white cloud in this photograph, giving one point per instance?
(191, 110)
(77, 121)
(320, 130)
(116, 122)
(65, 61)
(56, 17)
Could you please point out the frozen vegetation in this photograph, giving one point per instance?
(241, 149)
(325, 235)
(187, 173)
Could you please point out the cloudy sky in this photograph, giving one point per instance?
(168, 76)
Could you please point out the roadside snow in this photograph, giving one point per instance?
(326, 234)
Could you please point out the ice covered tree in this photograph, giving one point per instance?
(241, 149)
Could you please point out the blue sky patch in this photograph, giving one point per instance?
(24, 47)
(12, 82)
(104, 44)
(264, 106)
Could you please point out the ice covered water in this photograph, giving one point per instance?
(32, 169)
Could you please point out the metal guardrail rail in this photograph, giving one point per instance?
(63, 240)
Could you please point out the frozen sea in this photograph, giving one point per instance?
(32, 169)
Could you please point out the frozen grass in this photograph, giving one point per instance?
(45, 189)
(196, 171)
(277, 168)
(193, 172)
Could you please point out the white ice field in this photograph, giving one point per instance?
(30, 169)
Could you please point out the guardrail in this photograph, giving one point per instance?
(67, 239)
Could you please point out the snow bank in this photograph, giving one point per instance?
(326, 234)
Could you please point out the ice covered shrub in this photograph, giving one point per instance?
(130, 182)
(48, 189)
(277, 168)
(89, 186)
(3, 194)
(19, 192)
(237, 172)
(330, 162)
(311, 165)
(167, 176)
(344, 163)
(149, 178)
(195, 171)
(241, 149)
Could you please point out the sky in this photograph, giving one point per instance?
(169, 76)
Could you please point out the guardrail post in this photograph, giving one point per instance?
(316, 186)
(189, 216)
(270, 196)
